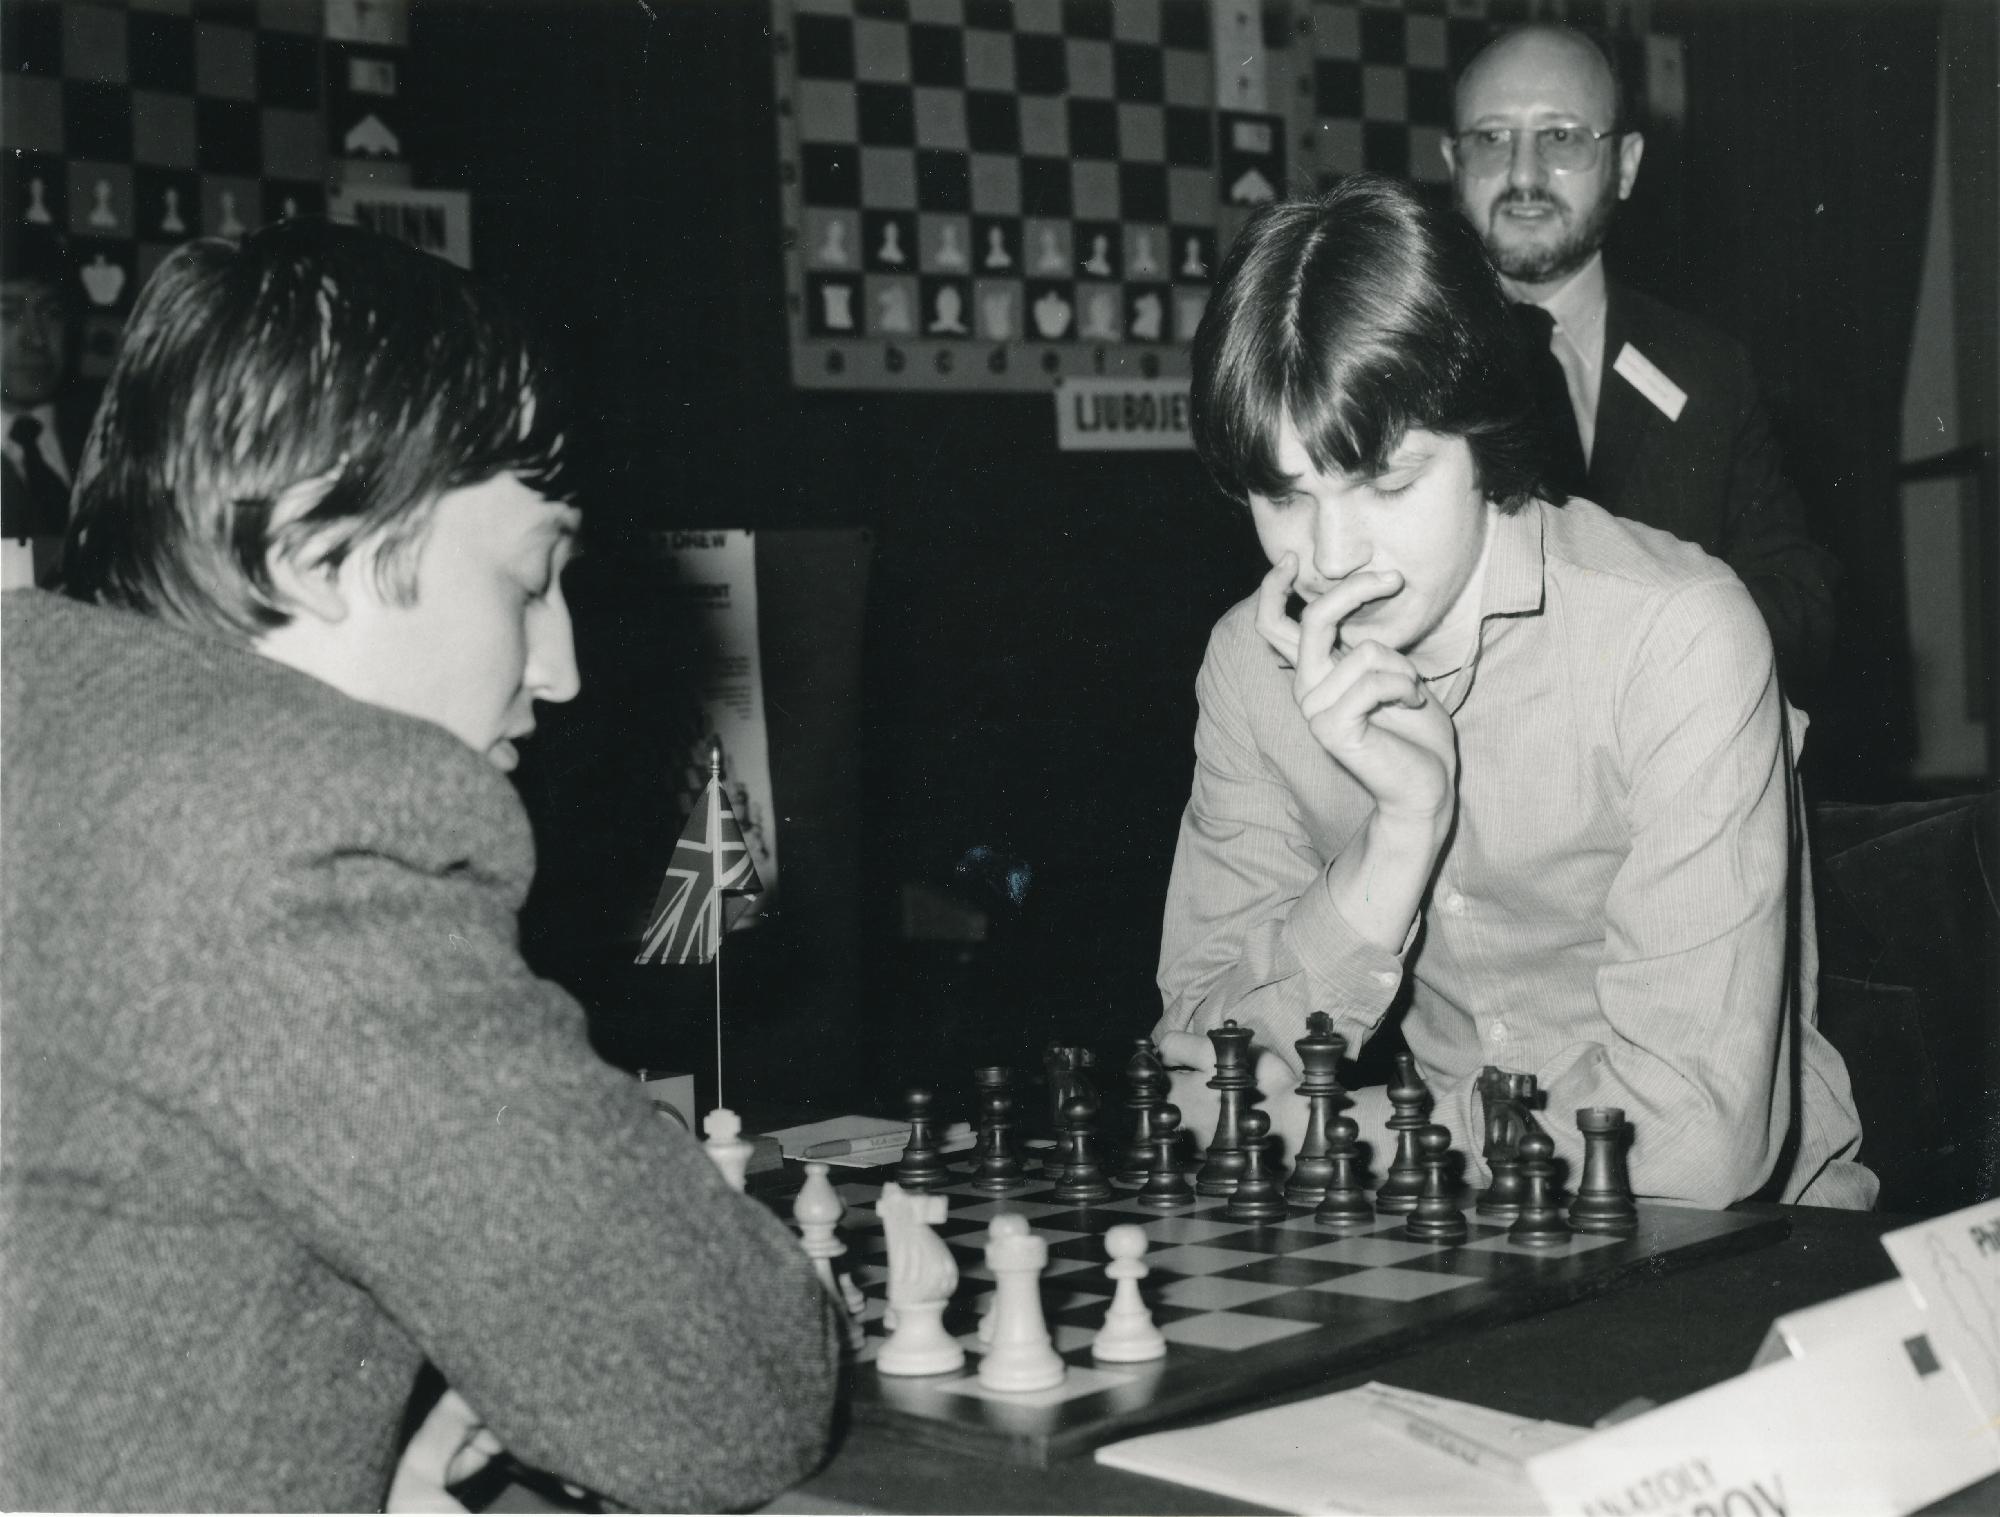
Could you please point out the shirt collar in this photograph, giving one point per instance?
(1579, 304)
(1514, 566)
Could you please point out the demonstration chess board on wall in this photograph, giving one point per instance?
(996, 194)
(1247, 1310)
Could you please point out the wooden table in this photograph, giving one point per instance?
(1661, 1339)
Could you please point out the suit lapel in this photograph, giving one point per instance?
(1624, 416)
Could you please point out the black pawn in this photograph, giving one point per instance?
(922, 1166)
(1603, 1202)
(1345, 1203)
(1257, 1197)
(1436, 1217)
(1232, 1083)
(1081, 1179)
(1409, 1102)
(1147, 1085)
(1166, 1187)
(1319, 1056)
(1540, 1224)
(999, 1166)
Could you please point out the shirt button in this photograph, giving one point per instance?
(1455, 904)
(1498, 1032)
(1386, 977)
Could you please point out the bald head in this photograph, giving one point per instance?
(1547, 62)
(1537, 158)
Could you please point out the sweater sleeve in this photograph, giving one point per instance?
(1251, 931)
(429, 1120)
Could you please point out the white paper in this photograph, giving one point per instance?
(1953, 1265)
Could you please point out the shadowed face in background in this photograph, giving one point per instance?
(1541, 225)
(34, 345)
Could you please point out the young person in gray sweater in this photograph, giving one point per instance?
(285, 1113)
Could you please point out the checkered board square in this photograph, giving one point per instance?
(991, 194)
(1246, 1309)
(133, 127)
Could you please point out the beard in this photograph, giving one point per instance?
(1544, 262)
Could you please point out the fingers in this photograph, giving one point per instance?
(1319, 626)
(1368, 676)
(1278, 629)
(1186, 1050)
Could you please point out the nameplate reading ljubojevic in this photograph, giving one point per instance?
(1122, 415)
(1881, 1401)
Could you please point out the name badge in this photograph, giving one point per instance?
(1644, 376)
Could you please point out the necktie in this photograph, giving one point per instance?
(1548, 393)
(46, 510)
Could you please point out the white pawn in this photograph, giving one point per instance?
(818, 1210)
(726, 1145)
(1128, 1335)
(1021, 1357)
(922, 1276)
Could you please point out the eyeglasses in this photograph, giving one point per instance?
(1567, 148)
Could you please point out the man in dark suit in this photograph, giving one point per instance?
(1664, 423)
(44, 420)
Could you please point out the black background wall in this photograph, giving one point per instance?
(1033, 619)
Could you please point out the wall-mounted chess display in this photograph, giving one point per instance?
(133, 125)
(998, 194)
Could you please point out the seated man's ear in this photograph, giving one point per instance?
(306, 584)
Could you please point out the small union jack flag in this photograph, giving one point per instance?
(710, 860)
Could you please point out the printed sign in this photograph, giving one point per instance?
(1122, 415)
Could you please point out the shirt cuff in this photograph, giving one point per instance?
(1354, 980)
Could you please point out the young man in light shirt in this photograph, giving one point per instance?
(1527, 761)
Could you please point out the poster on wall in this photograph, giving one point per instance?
(437, 221)
(1003, 194)
(715, 575)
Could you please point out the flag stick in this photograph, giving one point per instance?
(721, 922)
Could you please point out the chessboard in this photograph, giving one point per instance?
(1247, 1310)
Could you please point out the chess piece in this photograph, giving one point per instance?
(1147, 1085)
(1147, 316)
(103, 280)
(1436, 1217)
(922, 1166)
(229, 223)
(1052, 315)
(725, 1145)
(1192, 264)
(997, 256)
(101, 215)
(1345, 1203)
(1129, 1335)
(818, 1209)
(1064, 1064)
(1142, 265)
(833, 245)
(1021, 1357)
(1232, 1082)
(1603, 1202)
(892, 310)
(996, 314)
(949, 254)
(1051, 259)
(171, 221)
(1081, 1180)
(1101, 319)
(836, 303)
(922, 1276)
(1540, 1223)
(946, 313)
(1256, 1197)
(1319, 1055)
(1099, 261)
(1409, 1104)
(891, 249)
(1166, 1187)
(37, 212)
(1506, 1098)
(999, 1165)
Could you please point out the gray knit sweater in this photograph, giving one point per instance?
(284, 1112)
